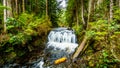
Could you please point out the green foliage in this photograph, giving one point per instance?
(78, 29)
(22, 33)
(72, 8)
(117, 14)
(25, 27)
(98, 33)
(90, 34)
(10, 49)
(53, 12)
(25, 18)
(100, 25)
(113, 26)
(18, 39)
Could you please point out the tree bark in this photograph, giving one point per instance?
(77, 17)
(79, 49)
(111, 10)
(16, 3)
(23, 5)
(5, 15)
(99, 2)
(9, 11)
(90, 11)
(82, 12)
(46, 8)
(119, 3)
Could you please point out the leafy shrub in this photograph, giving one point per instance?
(23, 32)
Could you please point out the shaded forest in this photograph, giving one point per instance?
(25, 24)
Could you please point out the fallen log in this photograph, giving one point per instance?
(80, 48)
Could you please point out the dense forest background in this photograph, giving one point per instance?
(25, 24)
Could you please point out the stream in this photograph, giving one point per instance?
(61, 43)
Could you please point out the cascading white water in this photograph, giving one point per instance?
(61, 43)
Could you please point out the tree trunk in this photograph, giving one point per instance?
(16, 3)
(36, 7)
(23, 5)
(76, 11)
(90, 10)
(111, 10)
(46, 8)
(82, 12)
(79, 49)
(77, 18)
(19, 6)
(5, 15)
(9, 11)
(119, 3)
(99, 2)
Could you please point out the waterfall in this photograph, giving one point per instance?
(61, 42)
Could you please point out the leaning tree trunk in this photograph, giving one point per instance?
(80, 48)
(82, 45)
(5, 15)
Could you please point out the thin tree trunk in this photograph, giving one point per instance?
(77, 18)
(82, 12)
(5, 15)
(92, 7)
(16, 3)
(77, 12)
(90, 10)
(119, 3)
(46, 8)
(36, 7)
(99, 2)
(23, 5)
(9, 11)
(19, 7)
(82, 45)
(111, 10)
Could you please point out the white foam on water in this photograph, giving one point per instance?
(61, 42)
(68, 47)
(62, 39)
(40, 64)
